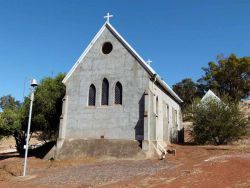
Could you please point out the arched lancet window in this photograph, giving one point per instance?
(105, 92)
(92, 95)
(157, 106)
(118, 93)
(167, 113)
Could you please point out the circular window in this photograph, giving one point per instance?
(107, 48)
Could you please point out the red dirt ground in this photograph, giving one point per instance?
(193, 166)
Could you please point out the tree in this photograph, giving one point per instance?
(9, 122)
(229, 75)
(9, 102)
(217, 122)
(10, 116)
(187, 90)
(47, 109)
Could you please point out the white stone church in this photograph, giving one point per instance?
(116, 104)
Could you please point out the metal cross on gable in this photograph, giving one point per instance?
(108, 16)
(149, 61)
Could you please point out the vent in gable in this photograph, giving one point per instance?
(107, 47)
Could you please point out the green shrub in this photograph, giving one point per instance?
(217, 122)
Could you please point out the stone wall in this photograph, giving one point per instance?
(101, 148)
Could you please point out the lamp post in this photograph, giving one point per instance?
(33, 84)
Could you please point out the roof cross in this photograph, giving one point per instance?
(149, 61)
(108, 16)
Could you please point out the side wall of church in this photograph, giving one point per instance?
(112, 121)
(165, 115)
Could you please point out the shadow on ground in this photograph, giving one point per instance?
(38, 152)
(41, 151)
(8, 155)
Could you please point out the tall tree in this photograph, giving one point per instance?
(187, 90)
(9, 122)
(230, 75)
(46, 113)
(9, 102)
(47, 107)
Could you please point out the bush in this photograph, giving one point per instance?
(217, 122)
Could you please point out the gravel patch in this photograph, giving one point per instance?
(101, 173)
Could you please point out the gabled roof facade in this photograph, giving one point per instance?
(210, 95)
(140, 60)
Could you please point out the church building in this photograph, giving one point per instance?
(114, 101)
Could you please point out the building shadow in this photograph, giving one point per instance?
(41, 151)
(177, 136)
(139, 127)
(180, 135)
(38, 152)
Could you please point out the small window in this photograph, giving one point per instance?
(167, 113)
(107, 47)
(174, 112)
(157, 106)
(105, 92)
(92, 94)
(118, 93)
(175, 118)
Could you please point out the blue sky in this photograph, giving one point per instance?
(43, 38)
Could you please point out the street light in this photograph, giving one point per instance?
(33, 85)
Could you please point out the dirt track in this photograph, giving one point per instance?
(193, 166)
